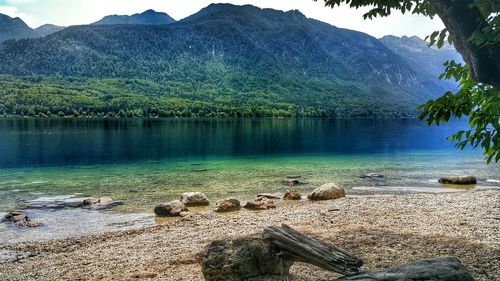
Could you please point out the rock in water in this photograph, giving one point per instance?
(326, 192)
(240, 259)
(21, 218)
(291, 182)
(16, 216)
(261, 203)
(458, 180)
(90, 201)
(105, 201)
(442, 269)
(100, 203)
(170, 209)
(269, 195)
(194, 199)
(226, 205)
(292, 195)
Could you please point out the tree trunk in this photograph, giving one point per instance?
(462, 21)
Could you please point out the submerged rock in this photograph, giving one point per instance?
(326, 192)
(261, 203)
(55, 202)
(170, 209)
(292, 195)
(226, 205)
(458, 180)
(194, 199)
(372, 176)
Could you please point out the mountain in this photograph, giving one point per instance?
(15, 28)
(428, 61)
(225, 60)
(47, 29)
(149, 17)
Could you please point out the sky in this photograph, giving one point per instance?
(74, 12)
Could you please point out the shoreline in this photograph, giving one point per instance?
(382, 230)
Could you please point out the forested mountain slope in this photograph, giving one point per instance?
(225, 60)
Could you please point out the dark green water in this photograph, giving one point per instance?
(144, 162)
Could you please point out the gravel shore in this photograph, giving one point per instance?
(383, 230)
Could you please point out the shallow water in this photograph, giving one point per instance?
(145, 162)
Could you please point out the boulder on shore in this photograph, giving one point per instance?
(21, 218)
(292, 195)
(243, 258)
(170, 209)
(326, 192)
(194, 199)
(458, 180)
(261, 203)
(226, 205)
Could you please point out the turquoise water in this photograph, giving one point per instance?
(145, 162)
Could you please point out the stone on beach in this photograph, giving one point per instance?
(261, 203)
(194, 199)
(292, 195)
(326, 192)
(458, 180)
(170, 209)
(226, 205)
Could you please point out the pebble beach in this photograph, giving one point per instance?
(384, 230)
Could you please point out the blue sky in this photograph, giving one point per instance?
(72, 12)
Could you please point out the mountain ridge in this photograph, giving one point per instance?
(148, 17)
(16, 28)
(224, 60)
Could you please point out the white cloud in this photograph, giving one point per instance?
(73, 12)
(13, 12)
(15, 2)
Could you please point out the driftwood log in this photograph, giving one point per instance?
(443, 269)
(275, 252)
(299, 247)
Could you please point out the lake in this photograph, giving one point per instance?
(145, 162)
